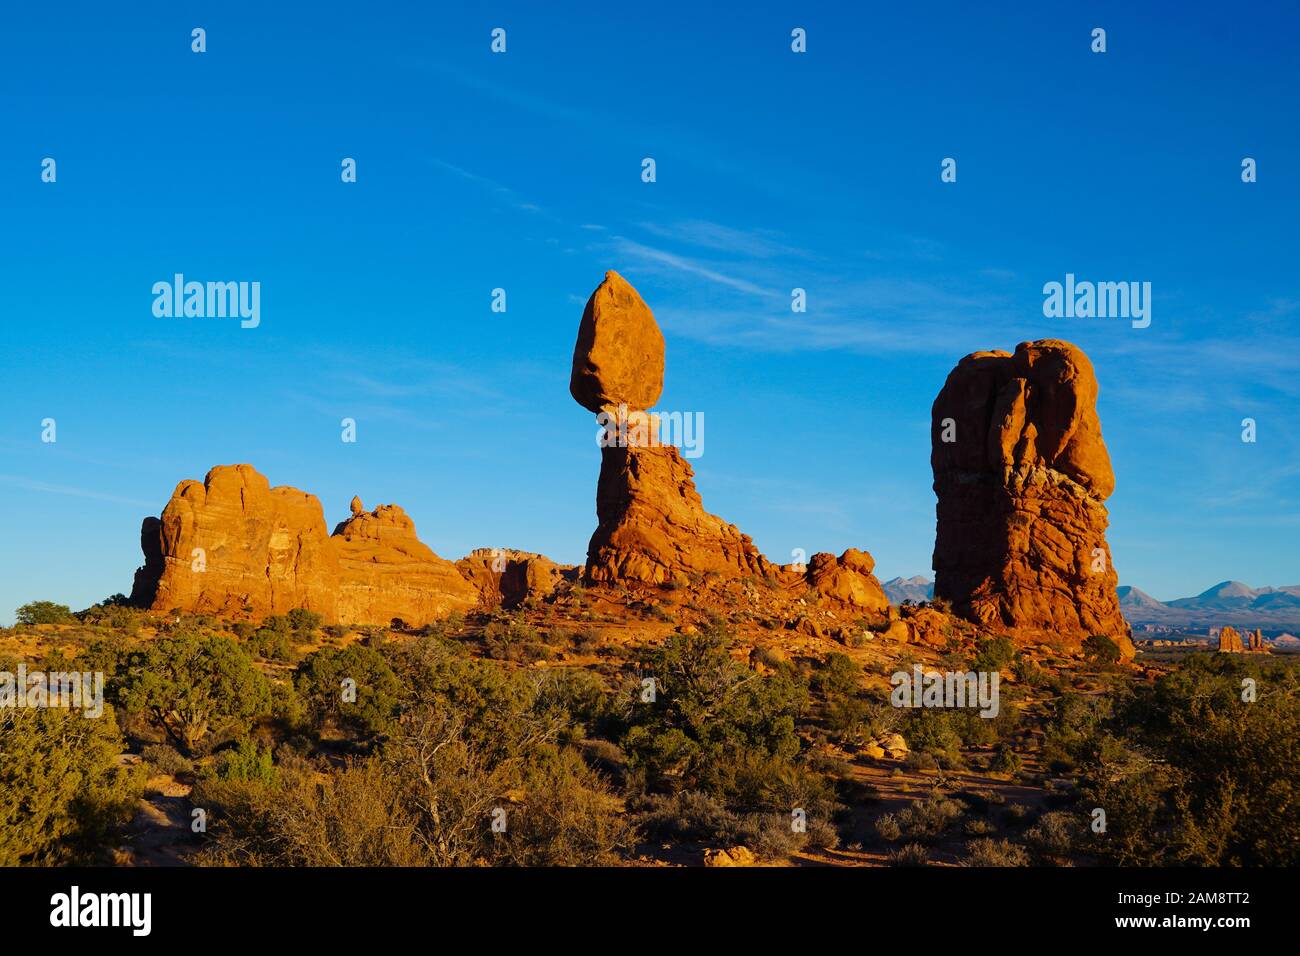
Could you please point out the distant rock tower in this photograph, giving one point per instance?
(1230, 640)
(1021, 474)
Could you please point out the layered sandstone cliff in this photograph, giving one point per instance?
(1022, 476)
(232, 544)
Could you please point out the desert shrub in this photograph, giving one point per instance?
(1054, 835)
(1027, 672)
(838, 676)
(769, 835)
(979, 826)
(471, 742)
(246, 762)
(109, 655)
(566, 816)
(44, 612)
(926, 820)
(822, 833)
(982, 801)
(376, 691)
(1017, 813)
(199, 691)
(920, 760)
(993, 653)
(579, 694)
(354, 816)
(1006, 760)
(934, 732)
(911, 854)
(987, 852)
(515, 641)
(1189, 773)
(271, 644)
(114, 612)
(1072, 728)
(1101, 650)
(888, 828)
(714, 724)
(688, 815)
(63, 791)
(848, 719)
(587, 640)
(305, 623)
(166, 759)
(279, 623)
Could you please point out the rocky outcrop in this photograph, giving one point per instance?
(848, 580)
(386, 572)
(234, 545)
(232, 542)
(145, 586)
(507, 578)
(1230, 640)
(1022, 475)
(652, 526)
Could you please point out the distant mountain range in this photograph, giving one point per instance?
(915, 589)
(1228, 602)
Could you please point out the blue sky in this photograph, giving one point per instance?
(522, 171)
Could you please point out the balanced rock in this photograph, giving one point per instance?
(1021, 475)
(233, 545)
(618, 359)
(652, 526)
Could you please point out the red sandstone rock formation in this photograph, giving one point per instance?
(652, 526)
(1230, 640)
(232, 544)
(619, 356)
(386, 572)
(848, 579)
(509, 578)
(1022, 474)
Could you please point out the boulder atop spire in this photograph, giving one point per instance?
(619, 356)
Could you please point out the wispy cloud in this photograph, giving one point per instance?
(662, 258)
(752, 243)
(45, 487)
